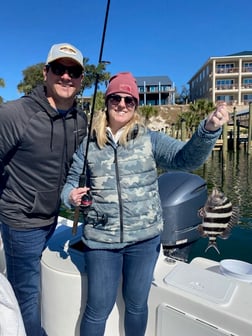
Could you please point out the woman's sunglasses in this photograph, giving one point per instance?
(130, 102)
(59, 69)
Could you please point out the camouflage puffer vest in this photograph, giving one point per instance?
(126, 205)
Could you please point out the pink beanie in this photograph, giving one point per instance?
(123, 82)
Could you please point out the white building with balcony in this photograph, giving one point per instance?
(227, 78)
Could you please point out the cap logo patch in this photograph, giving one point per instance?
(68, 50)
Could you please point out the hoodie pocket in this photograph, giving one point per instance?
(46, 203)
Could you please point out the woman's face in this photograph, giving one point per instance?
(121, 108)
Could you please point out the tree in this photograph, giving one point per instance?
(94, 74)
(100, 101)
(197, 111)
(184, 95)
(202, 107)
(32, 76)
(147, 112)
(99, 104)
(2, 84)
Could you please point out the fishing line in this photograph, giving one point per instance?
(82, 179)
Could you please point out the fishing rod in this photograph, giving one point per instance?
(87, 199)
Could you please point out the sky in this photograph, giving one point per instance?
(148, 38)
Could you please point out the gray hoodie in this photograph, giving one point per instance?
(36, 148)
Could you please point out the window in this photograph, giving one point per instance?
(247, 81)
(151, 102)
(226, 98)
(248, 97)
(153, 89)
(224, 81)
(247, 66)
(224, 84)
(164, 88)
(224, 67)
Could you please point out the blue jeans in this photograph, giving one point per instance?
(23, 251)
(135, 263)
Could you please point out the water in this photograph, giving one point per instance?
(234, 177)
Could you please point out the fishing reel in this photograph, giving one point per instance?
(83, 208)
(86, 202)
(86, 207)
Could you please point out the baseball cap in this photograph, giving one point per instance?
(65, 50)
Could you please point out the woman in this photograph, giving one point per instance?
(122, 230)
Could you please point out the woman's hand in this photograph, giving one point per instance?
(76, 194)
(217, 118)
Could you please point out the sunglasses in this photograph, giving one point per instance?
(59, 69)
(130, 102)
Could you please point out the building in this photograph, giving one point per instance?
(227, 78)
(156, 90)
(153, 90)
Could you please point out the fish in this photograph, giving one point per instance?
(219, 216)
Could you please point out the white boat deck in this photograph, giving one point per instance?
(186, 299)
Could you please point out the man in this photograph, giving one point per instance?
(38, 136)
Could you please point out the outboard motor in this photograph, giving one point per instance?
(182, 195)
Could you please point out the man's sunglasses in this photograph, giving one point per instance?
(59, 69)
(130, 102)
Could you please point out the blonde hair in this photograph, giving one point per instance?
(100, 124)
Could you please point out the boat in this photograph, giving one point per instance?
(192, 298)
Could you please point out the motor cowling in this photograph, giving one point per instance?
(182, 195)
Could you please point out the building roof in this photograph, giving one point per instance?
(153, 80)
(242, 53)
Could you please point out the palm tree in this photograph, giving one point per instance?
(2, 84)
(147, 112)
(202, 107)
(197, 111)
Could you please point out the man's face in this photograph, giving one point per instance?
(63, 81)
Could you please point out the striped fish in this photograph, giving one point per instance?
(218, 217)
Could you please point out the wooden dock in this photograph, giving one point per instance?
(218, 145)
